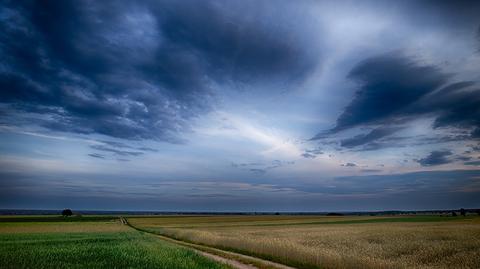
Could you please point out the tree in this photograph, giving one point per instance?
(454, 214)
(334, 214)
(67, 212)
(462, 212)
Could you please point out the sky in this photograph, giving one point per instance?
(240, 105)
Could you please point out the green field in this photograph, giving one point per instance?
(333, 242)
(96, 242)
(298, 241)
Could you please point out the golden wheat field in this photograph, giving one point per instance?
(334, 242)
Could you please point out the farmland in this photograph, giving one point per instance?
(95, 242)
(333, 242)
(302, 241)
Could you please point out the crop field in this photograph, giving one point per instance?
(298, 241)
(95, 242)
(333, 242)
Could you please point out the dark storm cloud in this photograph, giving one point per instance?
(387, 141)
(258, 171)
(478, 38)
(121, 145)
(147, 149)
(119, 148)
(395, 89)
(96, 155)
(436, 158)
(260, 168)
(406, 184)
(389, 84)
(457, 106)
(241, 165)
(316, 151)
(462, 13)
(367, 138)
(140, 70)
(278, 163)
(309, 155)
(464, 158)
(116, 151)
(116, 144)
(475, 147)
(312, 153)
(443, 139)
(476, 133)
(237, 47)
(371, 170)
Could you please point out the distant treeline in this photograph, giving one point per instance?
(333, 213)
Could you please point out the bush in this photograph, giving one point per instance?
(67, 212)
(334, 214)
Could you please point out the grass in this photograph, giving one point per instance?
(54, 218)
(61, 227)
(98, 244)
(248, 260)
(334, 242)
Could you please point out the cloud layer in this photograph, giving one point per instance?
(395, 90)
(139, 70)
(212, 104)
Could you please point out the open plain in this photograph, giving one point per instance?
(226, 241)
(88, 242)
(333, 242)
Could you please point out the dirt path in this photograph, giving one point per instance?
(232, 263)
(236, 260)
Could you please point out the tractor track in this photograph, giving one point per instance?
(235, 260)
